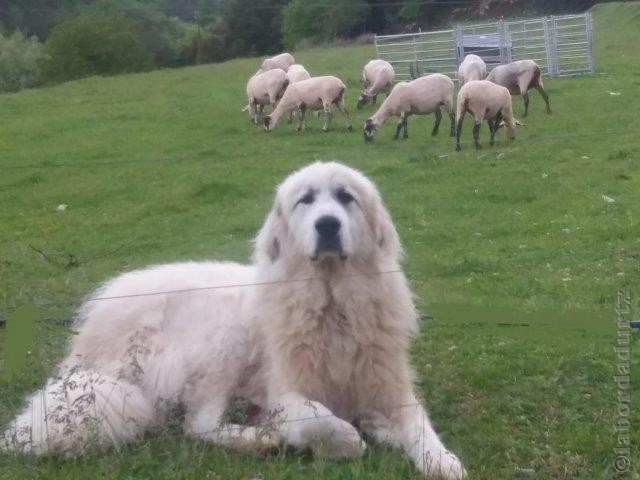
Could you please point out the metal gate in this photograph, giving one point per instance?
(560, 45)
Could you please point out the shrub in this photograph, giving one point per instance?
(95, 44)
(321, 22)
(20, 58)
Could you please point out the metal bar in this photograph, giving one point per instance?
(564, 41)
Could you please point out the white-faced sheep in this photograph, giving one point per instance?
(485, 101)
(520, 77)
(421, 96)
(472, 68)
(283, 61)
(378, 76)
(296, 73)
(312, 94)
(265, 88)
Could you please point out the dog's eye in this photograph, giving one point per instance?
(307, 199)
(344, 197)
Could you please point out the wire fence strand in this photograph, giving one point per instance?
(301, 152)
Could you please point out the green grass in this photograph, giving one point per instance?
(163, 166)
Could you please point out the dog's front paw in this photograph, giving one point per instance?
(443, 465)
(337, 438)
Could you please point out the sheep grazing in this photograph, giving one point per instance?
(472, 68)
(520, 77)
(296, 73)
(485, 101)
(315, 93)
(265, 88)
(421, 96)
(283, 61)
(378, 77)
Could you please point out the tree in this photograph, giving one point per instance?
(254, 26)
(20, 59)
(322, 20)
(95, 44)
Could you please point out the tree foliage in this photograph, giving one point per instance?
(253, 26)
(95, 44)
(322, 20)
(20, 59)
(86, 37)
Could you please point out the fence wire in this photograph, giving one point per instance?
(360, 147)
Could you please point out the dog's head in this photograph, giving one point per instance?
(327, 211)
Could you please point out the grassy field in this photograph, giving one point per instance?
(163, 166)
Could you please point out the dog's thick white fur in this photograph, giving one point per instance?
(315, 333)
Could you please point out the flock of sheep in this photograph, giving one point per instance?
(290, 91)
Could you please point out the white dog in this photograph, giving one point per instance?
(315, 333)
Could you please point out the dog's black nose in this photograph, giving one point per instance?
(327, 226)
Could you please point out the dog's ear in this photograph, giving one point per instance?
(269, 241)
(386, 236)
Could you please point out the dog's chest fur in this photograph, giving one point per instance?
(326, 343)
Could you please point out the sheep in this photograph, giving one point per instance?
(472, 68)
(297, 72)
(265, 88)
(378, 77)
(421, 96)
(520, 77)
(314, 93)
(283, 61)
(485, 100)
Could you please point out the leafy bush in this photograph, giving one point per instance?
(166, 37)
(253, 26)
(320, 21)
(20, 57)
(95, 44)
(208, 45)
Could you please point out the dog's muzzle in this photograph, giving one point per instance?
(328, 229)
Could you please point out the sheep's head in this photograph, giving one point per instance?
(363, 99)
(370, 130)
(267, 123)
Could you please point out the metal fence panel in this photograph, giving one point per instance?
(561, 45)
(416, 54)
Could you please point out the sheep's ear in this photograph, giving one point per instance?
(269, 241)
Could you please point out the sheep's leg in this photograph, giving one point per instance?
(436, 126)
(259, 111)
(452, 117)
(345, 113)
(402, 123)
(373, 100)
(476, 133)
(494, 125)
(492, 130)
(525, 97)
(398, 128)
(302, 110)
(328, 116)
(459, 131)
(253, 113)
(524, 84)
(544, 96)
